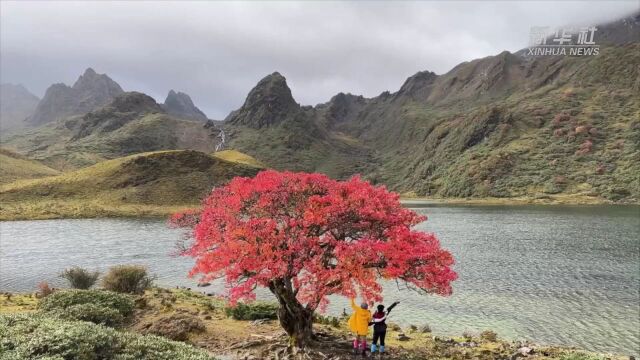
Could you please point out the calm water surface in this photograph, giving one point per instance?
(555, 275)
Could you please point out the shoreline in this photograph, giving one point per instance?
(79, 209)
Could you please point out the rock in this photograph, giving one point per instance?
(424, 329)
(403, 337)
(175, 327)
(525, 350)
(207, 317)
(205, 284)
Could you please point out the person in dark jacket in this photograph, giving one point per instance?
(380, 327)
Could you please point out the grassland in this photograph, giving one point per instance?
(14, 166)
(147, 184)
(165, 312)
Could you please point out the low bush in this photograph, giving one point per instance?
(175, 327)
(91, 312)
(489, 335)
(63, 300)
(80, 278)
(36, 336)
(44, 290)
(131, 279)
(253, 311)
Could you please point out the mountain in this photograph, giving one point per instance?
(154, 183)
(180, 105)
(89, 92)
(16, 104)
(546, 127)
(272, 127)
(268, 103)
(131, 123)
(15, 166)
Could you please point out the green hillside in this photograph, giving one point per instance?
(505, 126)
(148, 184)
(132, 123)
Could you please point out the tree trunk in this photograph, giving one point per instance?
(294, 318)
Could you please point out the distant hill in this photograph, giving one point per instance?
(89, 92)
(180, 105)
(14, 167)
(16, 104)
(131, 123)
(142, 184)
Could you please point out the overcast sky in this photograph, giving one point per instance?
(217, 51)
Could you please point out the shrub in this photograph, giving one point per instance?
(489, 335)
(175, 326)
(253, 311)
(80, 278)
(31, 336)
(560, 118)
(62, 300)
(96, 314)
(44, 290)
(131, 279)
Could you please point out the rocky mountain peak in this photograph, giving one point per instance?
(89, 92)
(418, 86)
(99, 85)
(180, 104)
(344, 107)
(268, 103)
(134, 101)
(123, 109)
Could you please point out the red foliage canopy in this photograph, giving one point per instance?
(320, 236)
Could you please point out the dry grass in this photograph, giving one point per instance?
(14, 166)
(144, 185)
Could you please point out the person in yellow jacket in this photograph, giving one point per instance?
(359, 324)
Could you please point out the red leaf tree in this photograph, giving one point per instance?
(305, 237)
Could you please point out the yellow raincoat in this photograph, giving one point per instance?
(359, 320)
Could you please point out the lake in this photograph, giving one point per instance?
(566, 275)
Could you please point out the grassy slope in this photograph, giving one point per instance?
(14, 166)
(148, 184)
(524, 155)
(238, 157)
(502, 145)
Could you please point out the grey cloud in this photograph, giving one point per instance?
(217, 51)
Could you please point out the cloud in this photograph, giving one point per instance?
(217, 51)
